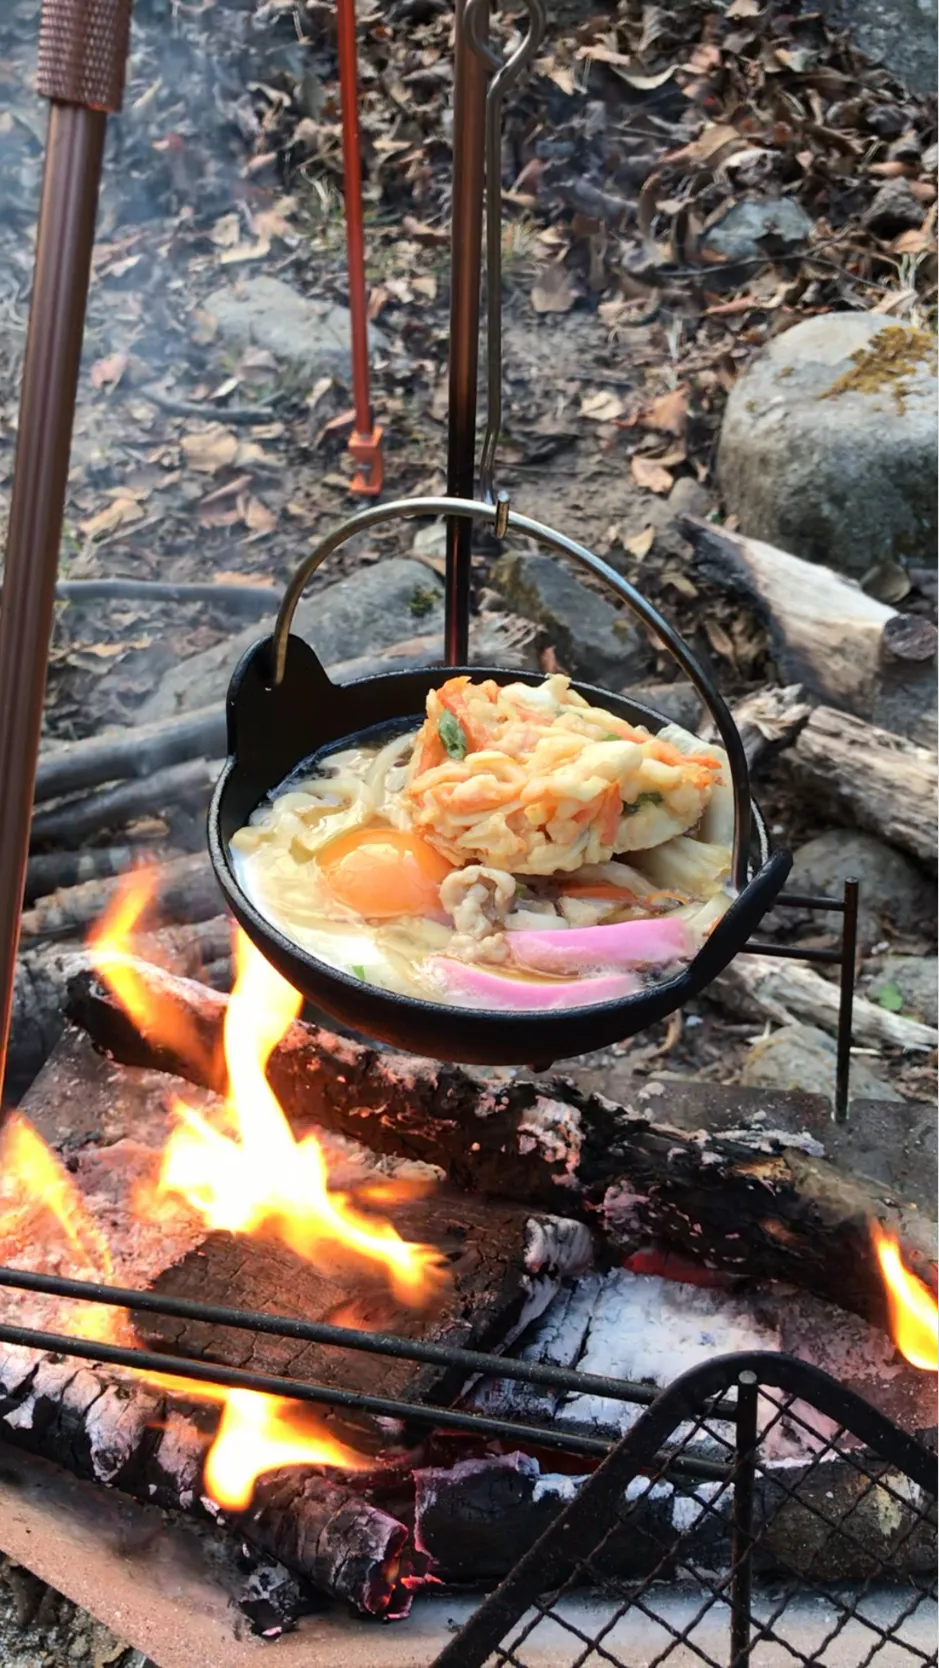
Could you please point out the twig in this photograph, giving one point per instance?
(255, 600)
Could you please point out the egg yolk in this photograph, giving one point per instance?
(381, 872)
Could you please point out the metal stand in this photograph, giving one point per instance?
(365, 443)
(82, 54)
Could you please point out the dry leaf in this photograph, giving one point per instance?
(712, 145)
(743, 8)
(719, 640)
(680, 582)
(107, 373)
(554, 290)
(246, 252)
(668, 413)
(641, 543)
(602, 407)
(115, 514)
(257, 516)
(648, 473)
(426, 285)
(647, 83)
(211, 450)
(226, 232)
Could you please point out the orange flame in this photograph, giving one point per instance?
(914, 1314)
(262, 1179)
(155, 1014)
(36, 1184)
(258, 1434)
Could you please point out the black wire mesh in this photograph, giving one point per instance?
(817, 1548)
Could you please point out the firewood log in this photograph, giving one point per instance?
(50, 871)
(137, 752)
(755, 1202)
(847, 649)
(188, 784)
(477, 1518)
(869, 778)
(781, 991)
(118, 1430)
(184, 890)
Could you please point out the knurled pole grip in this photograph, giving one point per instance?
(82, 57)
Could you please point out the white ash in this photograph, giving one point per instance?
(555, 1128)
(558, 1246)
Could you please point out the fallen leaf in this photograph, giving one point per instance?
(211, 449)
(602, 407)
(668, 413)
(116, 514)
(246, 252)
(548, 661)
(890, 997)
(648, 473)
(256, 515)
(641, 543)
(226, 232)
(421, 233)
(317, 391)
(680, 582)
(110, 651)
(717, 141)
(743, 8)
(426, 285)
(554, 290)
(107, 372)
(719, 640)
(224, 577)
(647, 83)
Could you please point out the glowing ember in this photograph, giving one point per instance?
(262, 1179)
(914, 1315)
(261, 1433)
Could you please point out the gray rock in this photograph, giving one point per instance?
(802, 1058)
(373, 609)
(828, 444)
(676, 701)
(892, 887)
(916, 978)
(898, 33)
(689, 497)
(763, 226)
(592, 639)
(894, 209)
(313, 336)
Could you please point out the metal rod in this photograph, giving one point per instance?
(328, 1395)
(469, 106)
(807, 900)
(342, 1337)
(846, 1001)
(74, 151)
(745, 1452)
(365, 444)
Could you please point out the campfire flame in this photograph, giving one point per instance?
(247, 1174)
(914, 1314)
(261, 1178)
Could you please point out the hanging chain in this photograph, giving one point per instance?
(505, 74)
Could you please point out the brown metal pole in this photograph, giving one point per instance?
(366, 442)
(82, 53)
(469, 119)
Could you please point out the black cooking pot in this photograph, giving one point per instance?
(283, 709)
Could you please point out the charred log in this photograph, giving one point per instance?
(502, 1266)
(183, 784)
(185, 890)
(133, 753)
(121, 1432)
(51, 870)
(477, 1518)
(755, 1202)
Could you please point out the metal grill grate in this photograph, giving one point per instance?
(825, 1561)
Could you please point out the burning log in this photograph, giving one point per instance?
(752, 1201)
(120, 1431)
(870, 779)
(848, 650)
(504, 1265)
(183, 890)
(188, 784)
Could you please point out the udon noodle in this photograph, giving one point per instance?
(521, 850)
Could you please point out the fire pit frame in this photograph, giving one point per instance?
(729, 1388)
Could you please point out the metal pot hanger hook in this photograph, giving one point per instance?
(505, 73)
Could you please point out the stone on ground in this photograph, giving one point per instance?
(898, 33)
(757, 226)
(802, 1058)
(828, 445)
(906, 985)
(375, 608)
(312, 336)
(592, 639)
(893, 890)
